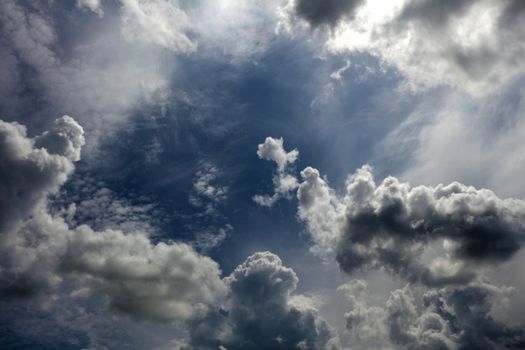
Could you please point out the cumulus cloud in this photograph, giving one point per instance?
(449, 318)
(439, 235)
(273, 150)
(391, 224)
(31, 171)
(262, 313)
(159, 281)
(463, 44)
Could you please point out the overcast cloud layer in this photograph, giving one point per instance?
(283, 174)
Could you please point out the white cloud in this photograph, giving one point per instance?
(205, 185)
(272, 149)
(443, 144)
(161, 22)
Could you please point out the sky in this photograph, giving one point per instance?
(262, 174)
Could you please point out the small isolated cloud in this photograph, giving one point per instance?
(261, 312)
(207, 190)
(273, 150)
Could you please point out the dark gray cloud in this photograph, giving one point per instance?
(433, 13)
(391, 224)
(262, 313)
(330, 12)
(437, 319)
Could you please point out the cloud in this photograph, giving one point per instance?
(29, 171)
(205, 187)
(330, 12)
(449, 318)
(102, 79)
(273, 150)
(157, 281)
(92, 5)
(391, 224)
(161, 22)
(262, 313)
(443, 146)
(430, 43)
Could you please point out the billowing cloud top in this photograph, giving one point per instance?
(431, 235)
(262, 312)
(390, 224)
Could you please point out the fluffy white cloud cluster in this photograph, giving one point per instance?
(464, 44)
(273, 150)
(154, 281)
